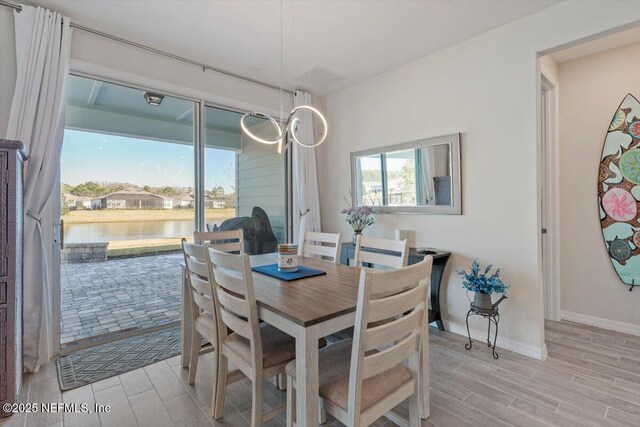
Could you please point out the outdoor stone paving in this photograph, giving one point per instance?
(105, 297)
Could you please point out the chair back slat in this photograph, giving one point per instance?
(224, 241)
(200, 285)
(197, 266)
(227, 247)
(311, 250)
(325, 246)
(386, 283)
(379, 362)
(203, 302)
(386, 308)
(235, 299)
(395, 255)
(236, 324)
(394, 330)
(230, 281)
(233, 304)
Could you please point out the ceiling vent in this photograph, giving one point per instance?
(318, 79)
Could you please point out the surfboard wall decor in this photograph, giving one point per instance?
(619, 191)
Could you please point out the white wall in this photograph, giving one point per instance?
(591, 88)
(487, 89)
(7, 66)
(99, 55)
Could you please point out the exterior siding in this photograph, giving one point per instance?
(261, 182)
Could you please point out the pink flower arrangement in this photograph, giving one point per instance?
(359, 217)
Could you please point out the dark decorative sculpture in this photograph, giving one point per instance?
(258, 234)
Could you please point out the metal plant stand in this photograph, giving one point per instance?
(493, 316)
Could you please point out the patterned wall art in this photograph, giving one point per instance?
(619, 191)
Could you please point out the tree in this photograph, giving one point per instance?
(89, 189)
(217, 191)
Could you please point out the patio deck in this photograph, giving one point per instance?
(121, 294)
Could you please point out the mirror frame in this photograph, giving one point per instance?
(456, 188)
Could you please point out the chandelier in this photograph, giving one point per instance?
(288, 132)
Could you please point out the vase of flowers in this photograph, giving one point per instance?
(483, 284)
(358, 218)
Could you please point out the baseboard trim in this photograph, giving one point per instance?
(538, 353)
(612, 325)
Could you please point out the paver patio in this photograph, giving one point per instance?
(106, 297)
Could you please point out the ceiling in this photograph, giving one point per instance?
(327, 45)
(619, 39)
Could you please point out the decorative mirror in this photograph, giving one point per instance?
(415, 177)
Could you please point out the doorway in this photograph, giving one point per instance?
(127, 165)
(548, 197)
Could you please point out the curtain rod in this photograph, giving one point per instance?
(161, 52)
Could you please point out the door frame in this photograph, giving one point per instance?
(550, 197)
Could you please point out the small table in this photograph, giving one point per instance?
(493, 316)
(440, 259)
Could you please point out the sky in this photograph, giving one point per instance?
(88, 156)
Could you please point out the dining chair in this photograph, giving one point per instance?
(324, 246)
(363, 379)
(204, 324)
(224, 241)
(259, 350)
(381, 252)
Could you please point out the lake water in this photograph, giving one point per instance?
(141, 230)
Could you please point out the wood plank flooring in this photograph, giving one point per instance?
(592, 378)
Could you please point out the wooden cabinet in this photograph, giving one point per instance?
(11, 217)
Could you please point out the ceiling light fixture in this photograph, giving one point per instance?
(153, 98)
(292, 122)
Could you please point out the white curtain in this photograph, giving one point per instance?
(43, 42)
(305, 176)
(428, 166)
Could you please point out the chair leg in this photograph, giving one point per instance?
(291, 402)
(282, 382)
(196, 340)
(256, 402)
(322, 412)
(414, 411)
(220, 389)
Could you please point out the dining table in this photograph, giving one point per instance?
(307, 309)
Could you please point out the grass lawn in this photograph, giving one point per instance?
(138, 215)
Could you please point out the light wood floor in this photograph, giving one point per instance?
(592, 378)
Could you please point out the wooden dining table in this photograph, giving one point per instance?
(307, 310)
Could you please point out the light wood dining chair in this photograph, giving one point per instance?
(204, 322)
(259, 350)
(381, 252)
(363, 379)
(324, 246)
(224, 241)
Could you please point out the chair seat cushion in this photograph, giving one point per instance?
(334, 362)
(277, 347)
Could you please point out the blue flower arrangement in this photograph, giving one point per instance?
(477, 281)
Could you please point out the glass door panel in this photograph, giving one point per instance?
(245, 184)
(127, 166)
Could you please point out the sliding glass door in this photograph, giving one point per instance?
(140, 170)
